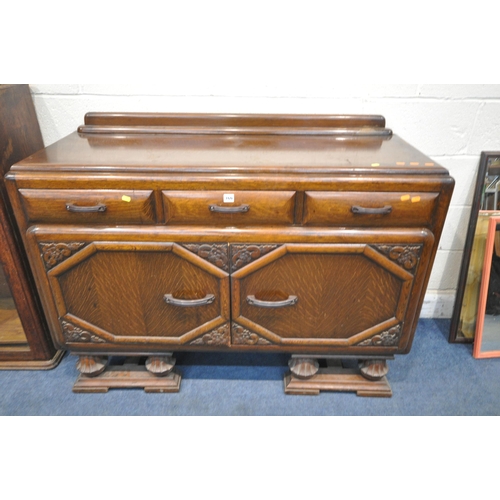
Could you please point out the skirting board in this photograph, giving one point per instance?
(438, 304)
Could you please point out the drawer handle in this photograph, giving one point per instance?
(371, 211)
(229, 210)
(291, 301)
(95, 208)
(169, 299)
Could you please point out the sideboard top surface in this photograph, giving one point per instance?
(233, 144)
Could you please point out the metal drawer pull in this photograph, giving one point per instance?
(95, 208)
(229, 210)
(291, 301)
(371, 211)
(169, 299)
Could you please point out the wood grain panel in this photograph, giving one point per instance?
(170, 274)
(79, 294)
(115, 275)
(122, 292)
(340, 295)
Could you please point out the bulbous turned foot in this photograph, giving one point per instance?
(91, 366)
(160, 365)
(303, 368)
(374, 369)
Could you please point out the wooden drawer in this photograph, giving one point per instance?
(99, 206)
(369, 208)
(243, 207)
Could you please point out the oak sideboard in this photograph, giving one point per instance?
(311, 235)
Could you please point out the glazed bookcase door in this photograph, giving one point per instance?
(12, 333)
(302, 295)
(141, 294)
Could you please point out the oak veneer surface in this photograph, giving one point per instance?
(233, 153)
(141, 280)
(314, 277)
(325, 243)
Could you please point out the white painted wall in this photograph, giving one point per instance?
(451, 123)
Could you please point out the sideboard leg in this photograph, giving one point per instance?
(307, 378)
(91, 366)
(155, 374)
(374, 369)
(303, 368)
(160, 365)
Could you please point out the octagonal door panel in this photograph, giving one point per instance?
(326, 294)
(137, 293)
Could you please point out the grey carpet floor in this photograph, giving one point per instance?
(435, 378)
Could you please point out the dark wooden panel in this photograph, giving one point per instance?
(20, 134)
(20, 137)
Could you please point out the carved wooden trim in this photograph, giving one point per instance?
(374, 369)
(74, 333)
(216, 254)
(241, 255)
(91, 366)
(242, 336)
(160, 366)
(388, 338)
(55, 253)
(407, 256)
(219, 336)
(304, 368)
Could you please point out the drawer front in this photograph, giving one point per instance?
(80, 206)
(369, 208)
(229, 208)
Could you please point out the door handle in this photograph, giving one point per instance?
(75, 208)
(291, 301)
(229, 210)
(371, 211)
(169, 299)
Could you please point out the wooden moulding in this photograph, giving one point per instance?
(33, 365)
(229, 121)
(199, 124)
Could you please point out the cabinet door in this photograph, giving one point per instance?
(326, 295)
(146, 294)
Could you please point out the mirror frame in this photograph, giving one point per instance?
(493, 223)
(454, 336)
